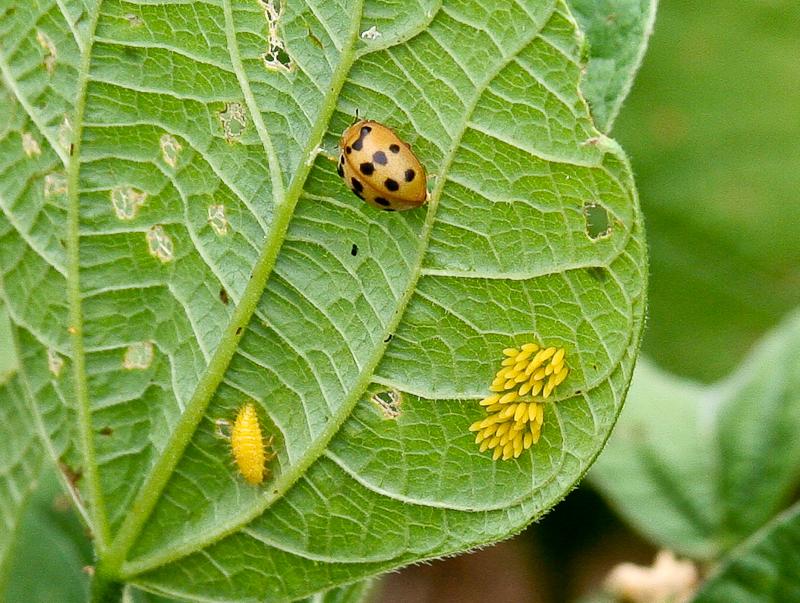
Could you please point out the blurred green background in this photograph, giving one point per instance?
(712, 127)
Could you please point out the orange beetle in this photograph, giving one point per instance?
(380, 168)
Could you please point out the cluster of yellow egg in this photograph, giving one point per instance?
(527, 376)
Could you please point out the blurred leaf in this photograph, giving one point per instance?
(765, 569)
(698, 469)
(617, 32)
(220, 258)
(712, 128)
(21, 457)
(655, 469)
(51, 550)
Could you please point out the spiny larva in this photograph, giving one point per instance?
(247, 443)
(380, 168)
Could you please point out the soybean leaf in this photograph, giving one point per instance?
(618, 32)
(655, 469)
(351, 593)
(21, 454)
(51, 549)
(765, 568)
(8, 354)
(700, 468)
(161, 165)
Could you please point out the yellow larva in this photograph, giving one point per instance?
(248, 445)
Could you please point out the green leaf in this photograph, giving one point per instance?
(51, 550)
(765, 568)
(352, 593)
(210, 255)
(617, 32)
(695, 468)
(21, 455)
(656, 465)
(8, 354)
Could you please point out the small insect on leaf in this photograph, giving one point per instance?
(380, 168)
(247, 443)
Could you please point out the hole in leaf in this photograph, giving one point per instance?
(134, 20)
(597, 221)
(159, 243)
(170, 148)
(55, 183)
(222, 429)
(54, 362)
(49, 60)
(233, 120)
(138, 355)
(388, 402)
(217, 219)
(275, 58)
(30, 145)
(64, 134)
(126, 201)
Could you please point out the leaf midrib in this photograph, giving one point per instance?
(85, 431)
(287, 480)
(159, 475)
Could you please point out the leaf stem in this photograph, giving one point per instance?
(105, 589)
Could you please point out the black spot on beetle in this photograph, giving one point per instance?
(394, 148)
(357, 186)
(348, 150)
(359, 144)
(379, 157)
(382, 201)
(359, 195)
(367, 168)
(354, 250)
(410, 175)
(340, 171)
(391, 184)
